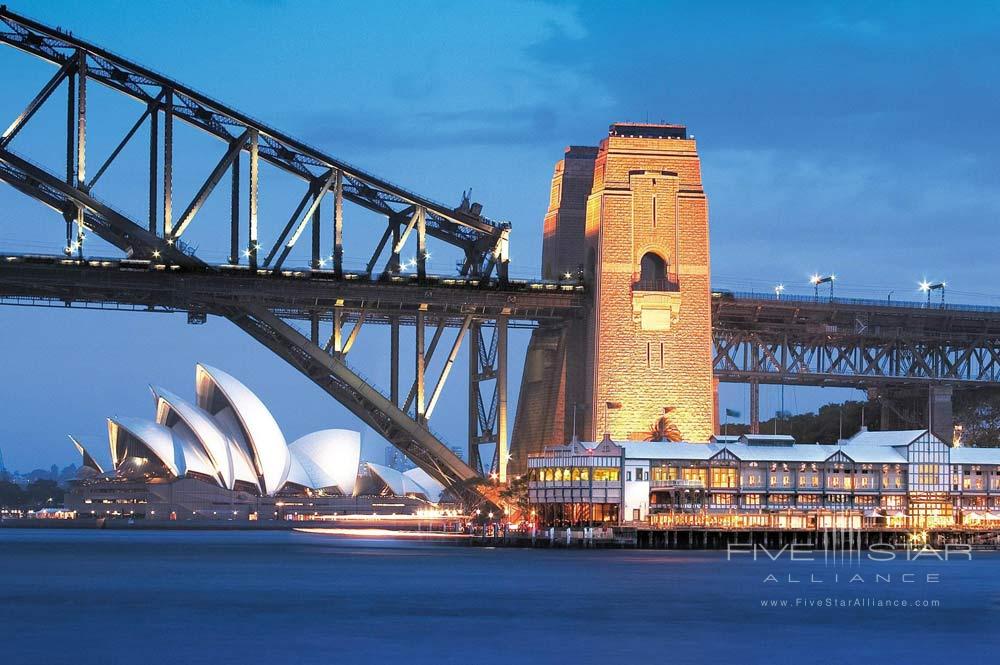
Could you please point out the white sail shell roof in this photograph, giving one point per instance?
(329, 457)
(401, 484)
(432, 488)
(243, 416)
(297, 475)
(157, 439)
(202, 428)
(99, 463)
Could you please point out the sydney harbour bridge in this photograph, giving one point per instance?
(291, 291)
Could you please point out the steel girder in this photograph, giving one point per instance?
(298, 295)
(483, 242)
(856, 362)
(853, 342)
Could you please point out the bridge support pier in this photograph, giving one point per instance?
(754, 407)
(916, 408)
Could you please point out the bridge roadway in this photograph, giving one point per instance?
(293, 294)
(758, 339)
(853, 343)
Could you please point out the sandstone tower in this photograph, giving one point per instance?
(633, 215)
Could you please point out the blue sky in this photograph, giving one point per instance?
(857, 138)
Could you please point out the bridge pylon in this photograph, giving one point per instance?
(632, 216)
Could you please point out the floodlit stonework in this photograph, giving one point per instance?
(643, 250)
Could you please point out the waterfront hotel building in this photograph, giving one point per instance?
(896, 479)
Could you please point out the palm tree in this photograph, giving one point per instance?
(664, 429)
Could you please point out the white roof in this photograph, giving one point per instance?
(668, 450)
(902, 437)
(874, 454)
(432, 488)
(768, 439)
(176, 453)
(800, 452)
(156, 438)
(964, 455)
(200, 427)
(329, 458)
(297, 475)
(399, 483)
(247, 421)
(100, 462)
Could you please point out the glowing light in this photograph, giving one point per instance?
(779, 289)
(925, 285)
(156, 253)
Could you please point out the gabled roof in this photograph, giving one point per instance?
(767, 439)
(797, 453)
(965, 455)
(668, 450)
(873, 454)
(889, 438)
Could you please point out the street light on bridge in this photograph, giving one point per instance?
(818, 279)
(778, 290)
(927, 287)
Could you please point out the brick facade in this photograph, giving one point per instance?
(648, 349)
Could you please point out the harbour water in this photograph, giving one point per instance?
(290, 597)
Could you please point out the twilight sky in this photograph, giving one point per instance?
(857, 138)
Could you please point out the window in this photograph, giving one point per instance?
(606, 474)
(652, 267)
(654, 274)
(628, 475)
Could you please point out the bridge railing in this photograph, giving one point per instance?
(723, 294)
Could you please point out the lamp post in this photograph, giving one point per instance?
(818, 279)
(778, 290)
(927, 287)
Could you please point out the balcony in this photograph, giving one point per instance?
(676, 484)
(667, 284)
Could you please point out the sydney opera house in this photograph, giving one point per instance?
(224, 456)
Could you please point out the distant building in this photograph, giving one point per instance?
(395, 459)
(901, 479)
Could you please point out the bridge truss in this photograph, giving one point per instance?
(159, 240)
(853, 343)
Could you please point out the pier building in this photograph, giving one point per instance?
(893, 479)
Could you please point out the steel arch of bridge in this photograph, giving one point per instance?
(159, 239)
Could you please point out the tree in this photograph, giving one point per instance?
(978, 413)
(825, 426)
(664, 429)
(515, 495)
(42, 494)
(11, 495)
